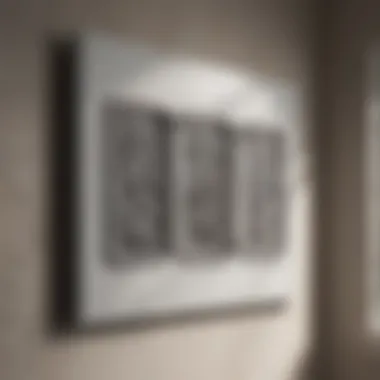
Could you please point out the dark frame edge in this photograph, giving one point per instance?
(63, 179)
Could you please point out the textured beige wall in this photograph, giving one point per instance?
(273, 37)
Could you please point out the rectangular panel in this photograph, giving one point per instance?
(136, 186)
(204, 188)
(262, 191)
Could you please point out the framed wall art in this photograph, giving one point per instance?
(165, 204)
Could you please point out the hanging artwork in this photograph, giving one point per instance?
(170, 211)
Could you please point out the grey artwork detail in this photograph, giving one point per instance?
(264, 201)
(207, 193)
(136, 176)
(189, 188)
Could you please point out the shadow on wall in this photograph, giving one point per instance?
(305, 369)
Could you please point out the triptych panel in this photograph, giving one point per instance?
(189, 188)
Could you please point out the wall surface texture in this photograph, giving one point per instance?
(270, 37)
(348, 350)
